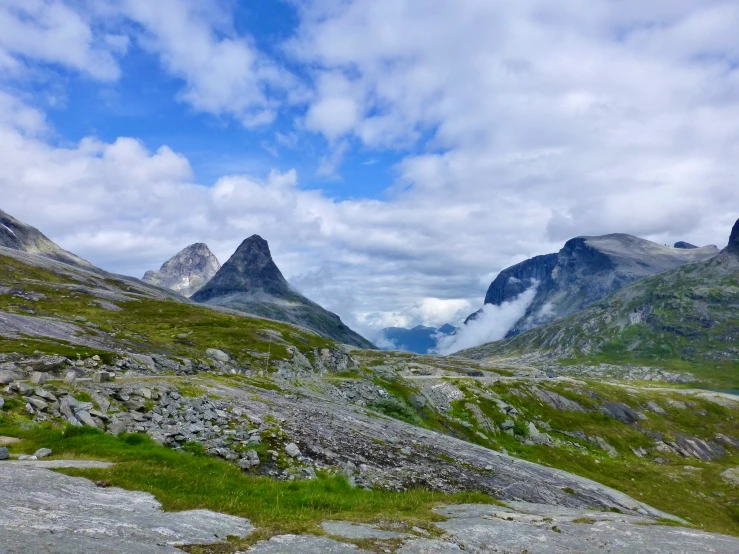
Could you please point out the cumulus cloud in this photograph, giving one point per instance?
(224, 73)
(519, 125)
(491, 324)
(53, 32)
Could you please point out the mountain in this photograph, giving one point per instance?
(686, 314)
(251, 282)
(16, 235)
(420, 339)
(586, 270)
(187, 271)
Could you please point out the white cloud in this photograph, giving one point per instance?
(224, 73)
(491, 324)
(521, 124)
(52, 32)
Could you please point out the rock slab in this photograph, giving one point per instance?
(43, 512)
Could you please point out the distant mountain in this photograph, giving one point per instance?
(420, 339)
(16, 235)
(187, 271)
(689, 313)
(586, 270)
(251, 282)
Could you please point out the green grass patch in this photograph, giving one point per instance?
(188, 480)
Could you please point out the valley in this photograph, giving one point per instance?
(287, 430)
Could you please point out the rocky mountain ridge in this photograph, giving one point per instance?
(584, 271)
(251, 282)
(686, 314)
(187, 271)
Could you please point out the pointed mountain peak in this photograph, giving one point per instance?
(734, 238)
(187, 271)
(250, 270)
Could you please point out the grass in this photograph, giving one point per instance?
(190, 480)
(143, 323)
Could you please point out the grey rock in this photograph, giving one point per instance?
(44, 363)
(507, 425)
(7, 377)
(46, 395)
(601, 443)
(2, 402)
(292, 450)
(187, 271)
(44, 511)
(302, 544)
(429, 546)
(38, 403)
(359, 531)
(38, 378)
(731, 475)
(621, 412)
(70, 378)
(43, 453)
(4, 454)
(103, 377)
(216, 354)
(85, 418)
(652, 406)
(541, 529)
(557, 401)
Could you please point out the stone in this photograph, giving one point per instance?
(103, 377)
(7, 441)
(43, 453)
(652, 406)
(85, 418)
(7, 377)
(38, 403)
(292, 450)
(4, 454)
(251, 459)
(303, 544)
(359, 531)
(557, 401)
(731, 475)
(216, 354)
(507, 425)
(46, 395)
(26, 457)
(44, 363)
(2, 402)
(70, 378)
(601, 443)
(45, 511)
(621, 412)
(38, 378)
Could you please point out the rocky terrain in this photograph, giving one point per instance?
(586, 270)
(685, 317)
(187, 271)
(251, 282)
(291, 442)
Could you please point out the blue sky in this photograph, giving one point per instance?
(396, 154)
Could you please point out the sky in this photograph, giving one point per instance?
(396, 154)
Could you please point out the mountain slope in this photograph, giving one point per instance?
(586, 270)
(187, 271)
(688, 314)
(251, 282)
(16, 235)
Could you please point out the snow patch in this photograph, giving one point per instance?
(9, 230)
